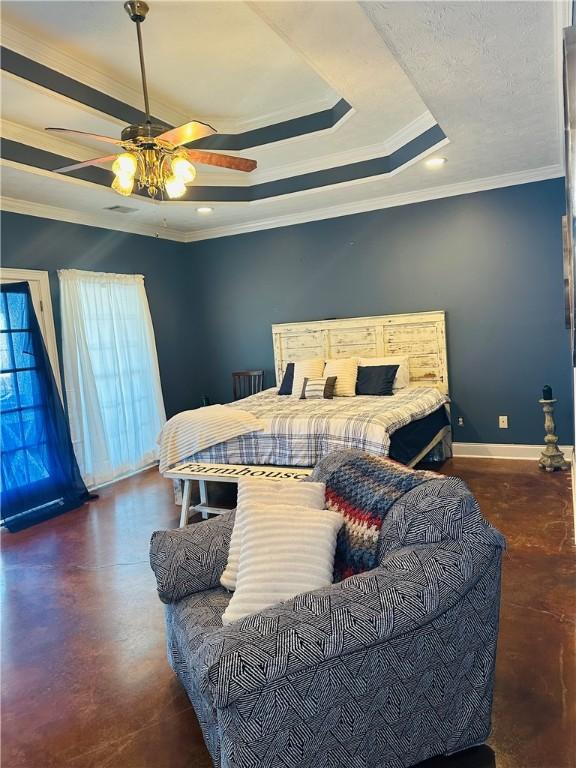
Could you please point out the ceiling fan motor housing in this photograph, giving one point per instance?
(136, 9)
(145, 131)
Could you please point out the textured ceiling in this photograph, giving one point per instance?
(489, 61)
(487, 73)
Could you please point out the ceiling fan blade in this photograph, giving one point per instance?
(187, 132)
(94, 161)
(96, 136)
(223, 161)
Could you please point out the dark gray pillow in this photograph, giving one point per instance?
(287, 380)
(376, 379)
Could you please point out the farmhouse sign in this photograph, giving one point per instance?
(223, 473)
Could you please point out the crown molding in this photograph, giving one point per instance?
(63, 146)
(114, 121)
(50, 142)
(410, 131)
(39, 50)
(101, 220)
(406, 134)
(291, 112)
(53, 142)
(374, 204)
(44, 53)
(105, 221)
(314, 191)
(307, 136)
(63, 178)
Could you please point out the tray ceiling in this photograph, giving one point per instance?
(339, 102)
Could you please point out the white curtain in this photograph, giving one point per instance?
(115, 403)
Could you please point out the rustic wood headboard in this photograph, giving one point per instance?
(419, 336)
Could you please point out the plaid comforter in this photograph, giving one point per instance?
(300, 432)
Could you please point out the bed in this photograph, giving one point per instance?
(406, 426)
(300, 432)
(411, 424)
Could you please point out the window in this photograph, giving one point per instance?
(39, 285)
(111, 375)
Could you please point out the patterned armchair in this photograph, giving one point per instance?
(382, 670)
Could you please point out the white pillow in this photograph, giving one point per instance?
(346, 371)
(306, 369)
(255, 492)
(402, 378)
(286, 550)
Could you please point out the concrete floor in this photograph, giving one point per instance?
(85, 681)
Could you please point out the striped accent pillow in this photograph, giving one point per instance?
(286, 551)
(306, 369)
(318, 389)
(345, 370)
(255, 492)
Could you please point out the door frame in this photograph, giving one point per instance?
(43, 311)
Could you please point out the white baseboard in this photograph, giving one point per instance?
(94, 488)
(503, 451)
(574, 497)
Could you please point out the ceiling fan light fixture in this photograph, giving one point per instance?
(183, 169)
(125, 164)
(123, 184)
(174, 187)
(154, 154)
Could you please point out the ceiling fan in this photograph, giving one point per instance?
(153, 155)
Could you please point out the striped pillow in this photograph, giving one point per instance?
(286, 551)
(346, 370)
(306, 369)
(255, 492)
(318, 389)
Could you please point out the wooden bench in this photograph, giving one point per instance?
(223, 473)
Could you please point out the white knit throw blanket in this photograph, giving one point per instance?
(189, 432)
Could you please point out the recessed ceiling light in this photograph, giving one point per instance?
(436, 162)
(204, 209)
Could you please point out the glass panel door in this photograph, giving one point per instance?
(40, 476)
(25, 460)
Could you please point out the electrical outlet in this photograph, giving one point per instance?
(503, 422)
(460, 421)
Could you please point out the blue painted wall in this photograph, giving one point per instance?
(492, 260)
(31, 243)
